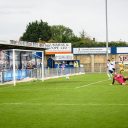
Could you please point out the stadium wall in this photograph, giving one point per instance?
(97, 63)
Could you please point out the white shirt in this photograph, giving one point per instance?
(113, 64)
(110, 66)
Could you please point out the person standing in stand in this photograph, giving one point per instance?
(63, 66)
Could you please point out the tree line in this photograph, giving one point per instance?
(39, 31)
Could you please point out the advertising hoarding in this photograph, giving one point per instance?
(90, 50)
(58, 48)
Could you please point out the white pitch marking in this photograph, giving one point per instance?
(91, 84)
(65, 104)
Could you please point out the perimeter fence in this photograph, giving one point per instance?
(6, 75)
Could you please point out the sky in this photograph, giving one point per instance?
(78, 15)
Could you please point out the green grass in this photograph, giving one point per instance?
(60, 103)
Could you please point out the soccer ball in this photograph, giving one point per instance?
(67, 77)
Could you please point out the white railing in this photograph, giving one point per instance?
(7, 75)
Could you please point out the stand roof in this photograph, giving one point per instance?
(4, 45)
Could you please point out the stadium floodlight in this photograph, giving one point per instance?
(42, 65)
(106, 15)
(14, 68)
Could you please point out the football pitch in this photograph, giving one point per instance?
(83, 101)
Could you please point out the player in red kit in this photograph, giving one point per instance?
(119, 78)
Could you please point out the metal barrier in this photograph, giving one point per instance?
(7, 75)
(97, 67)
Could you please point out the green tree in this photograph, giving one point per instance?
(36, 31)
(83, 35)
(117, 44)
(61, 33)
(84, 41)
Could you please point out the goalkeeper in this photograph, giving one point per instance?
(119, 78)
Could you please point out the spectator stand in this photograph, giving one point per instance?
(19, 46)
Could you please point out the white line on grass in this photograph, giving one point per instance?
(91, 84)
(90, 104)
(63, 104)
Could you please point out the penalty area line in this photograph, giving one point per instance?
(65, 104)
(90, 84)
